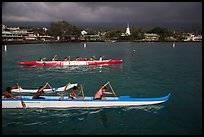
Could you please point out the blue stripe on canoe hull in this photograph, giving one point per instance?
(121, 98)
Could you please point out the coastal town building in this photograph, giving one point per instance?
(89, 37)
(192, 37)
(170, 38)
(16, 34)
(30, 36)
(83, 32)
(10, 36)
(198, 38)
(151, 37)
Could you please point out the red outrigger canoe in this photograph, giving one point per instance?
(69, 63)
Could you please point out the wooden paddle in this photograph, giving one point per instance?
(106, 84)
(69, 59)
(112, 89)
(50, 86)
(60, 98)
(53, 90)
(22, 103)
(82, 92)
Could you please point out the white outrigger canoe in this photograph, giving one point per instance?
(53, 102)
(60, 89)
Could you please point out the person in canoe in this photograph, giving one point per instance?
(72, 94)
(54, 58)
(66, 58)
(78, 58)
(101, 58)
(101, 91)
(92, 58)
(7, 93)
(42, 59)
(39, 92)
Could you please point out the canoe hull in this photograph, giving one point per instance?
(87, 102)
(74, 104)
(69, 63)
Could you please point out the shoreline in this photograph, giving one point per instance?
(44, 42)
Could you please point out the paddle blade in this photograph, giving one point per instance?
(23, 104)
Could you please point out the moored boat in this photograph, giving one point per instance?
(86, 102)
(69, 63)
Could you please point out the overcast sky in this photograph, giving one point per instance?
(163, 12)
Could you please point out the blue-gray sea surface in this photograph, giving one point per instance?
(153, 70)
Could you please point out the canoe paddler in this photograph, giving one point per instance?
(40, 92)
(42, 59)
(101, 91)
(7, 93)
(54, 58)
(100, 58)
(72, 94)
(91, 59)
(66, 59)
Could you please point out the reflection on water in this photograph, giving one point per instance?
(103, 119)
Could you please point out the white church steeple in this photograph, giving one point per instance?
(127, 30)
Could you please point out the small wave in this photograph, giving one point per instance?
(80, 119)
(96, 111)
(8, 124)
(150, 108)
(35, 123)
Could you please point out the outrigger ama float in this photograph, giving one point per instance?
(50, 90)
(82, 102)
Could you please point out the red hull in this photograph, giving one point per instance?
(38, 63)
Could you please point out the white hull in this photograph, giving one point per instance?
(73, 104)
(73, 63)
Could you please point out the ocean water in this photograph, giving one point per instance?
(153, 70)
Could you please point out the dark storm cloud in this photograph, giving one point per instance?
(103, 11)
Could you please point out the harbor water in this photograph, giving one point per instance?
(148, 70)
